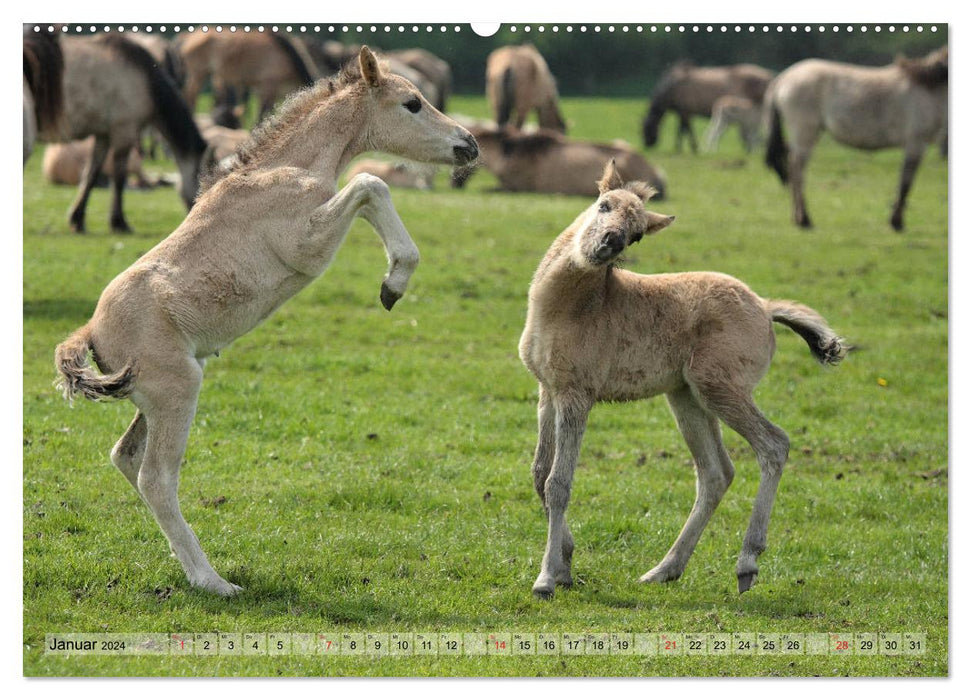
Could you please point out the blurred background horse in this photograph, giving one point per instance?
(692, 91)
(43, 89)
(902, 104)
(518, 81)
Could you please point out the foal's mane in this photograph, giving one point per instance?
(284, 120)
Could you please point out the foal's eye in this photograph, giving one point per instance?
(413, 105)
(604, 207)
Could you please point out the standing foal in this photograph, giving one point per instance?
(597, 333)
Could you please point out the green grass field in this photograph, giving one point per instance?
(357, 470)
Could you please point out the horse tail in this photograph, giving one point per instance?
(173, 66)
(78, 377)
(827, 347)
(172, 115)
(44, 73)
(776, 152)
(299, 59)
(506, 97)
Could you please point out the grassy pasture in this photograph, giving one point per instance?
(357, 470)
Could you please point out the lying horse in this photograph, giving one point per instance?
(546, 161)
(692, 91)
(403, 175)
(263, 229)
(902, 104)
(598, 333)
(64, 164)
(519, 81)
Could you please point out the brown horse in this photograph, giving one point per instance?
(432, 67)
(902, 104)
(692, 91)
(64, 164)
(43, 89)
(113, 88)
(270, 64)
(547, 161)
(519, 81)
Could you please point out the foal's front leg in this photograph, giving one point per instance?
(570, 423)
(369, 197)
(543, 464)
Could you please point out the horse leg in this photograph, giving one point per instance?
(543, 464)
(912, 159)
(715, 130)
(714, 475)
(168, 401)
(686, 127)
(797, 168)
(128, 452)
(119, 176)
(570, 423)
(88, 178)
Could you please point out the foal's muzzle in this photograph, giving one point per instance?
(467, 152)
(610, 246)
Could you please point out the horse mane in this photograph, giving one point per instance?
(929, 71)
(172, 115)
(301, 62)
(44, 73)
(288, 116)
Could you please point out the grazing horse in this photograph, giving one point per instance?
(730, 110)
(519, 81)
(902, 104)
(113, 89)
(43, 89)
(546, 161)
(692, 91)
(598, 333)
(270, 64)
(263, 229)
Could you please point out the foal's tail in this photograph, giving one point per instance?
(78, 377)
(827, 347)
(777, 152)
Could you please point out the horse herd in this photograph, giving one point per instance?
(267, 217)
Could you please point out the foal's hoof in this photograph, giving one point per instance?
(745, 581)
(388, 298)
(660, 574)
(220, 587)
(544, 587)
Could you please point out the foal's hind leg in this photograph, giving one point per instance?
(169, 402)
(714, 475)
(771, 445)
(128, 452)
(88, 178)
(542, 465)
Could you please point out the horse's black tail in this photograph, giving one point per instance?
(172, 115)
(301, 61)
(776, 152)
(507, 97)
(44, 73)
(173, 66)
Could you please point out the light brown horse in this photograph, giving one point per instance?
(270, 64)
(432, 67)
(64, 164)
(691, 91)
(262, 230)
(547, 161)
(43, 89)
(903, 105)
(518, 81)
(598, 333)
(113, 88)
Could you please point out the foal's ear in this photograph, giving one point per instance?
(655, 222)
(370, 71)
(641, 189)
(611, 179)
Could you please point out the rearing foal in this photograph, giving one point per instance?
(258, 235)
(597, 333)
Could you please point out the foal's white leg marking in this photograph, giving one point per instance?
(169, 406)
(369, 197)
(714, 475)
(571, 422)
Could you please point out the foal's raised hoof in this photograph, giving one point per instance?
(745, 581)
(388, 298)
